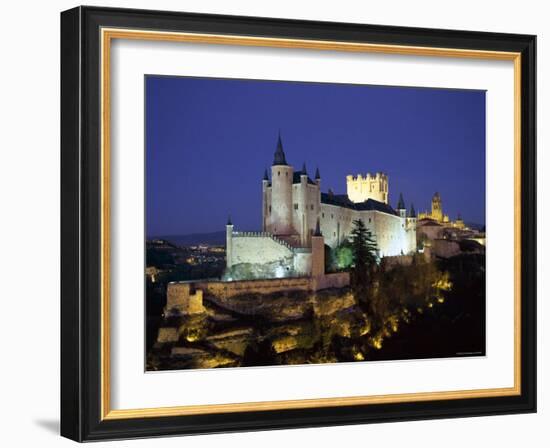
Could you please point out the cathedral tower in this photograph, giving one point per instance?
(280, 214)
(437, 210)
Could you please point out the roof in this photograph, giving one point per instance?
(401, 202)
(342, 200)
(296, 178)
(279, 157)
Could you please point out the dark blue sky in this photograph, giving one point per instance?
(208, 142)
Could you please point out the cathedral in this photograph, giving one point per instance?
(439, 217)
(298, 220)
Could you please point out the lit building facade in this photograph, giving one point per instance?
(298, 220)
(293, 204)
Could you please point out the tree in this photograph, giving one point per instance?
(363, 246)
(364, 252)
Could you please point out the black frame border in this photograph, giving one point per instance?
(81, 223)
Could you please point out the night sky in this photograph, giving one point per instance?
(208, 142)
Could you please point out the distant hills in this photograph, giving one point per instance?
(218, 238)
(212, 239)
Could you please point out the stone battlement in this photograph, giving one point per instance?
(186, 297)
(366, 177)
(262, 235)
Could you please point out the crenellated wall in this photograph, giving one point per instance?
(370, 186)
(183, 297)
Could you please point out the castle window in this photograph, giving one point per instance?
(331, 216)
(323, 215)
(278, 173)
(270, 209)
(295, 206)
(370, 220)
(334, 233)
(311, 206)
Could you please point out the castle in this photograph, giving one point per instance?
(298, 220)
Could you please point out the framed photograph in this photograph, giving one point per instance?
(276, 224)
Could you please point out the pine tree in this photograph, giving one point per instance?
(363, 246)
(364, 260)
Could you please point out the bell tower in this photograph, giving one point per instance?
(437, 210)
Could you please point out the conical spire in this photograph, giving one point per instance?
(318, 229)
(317, 174)
(401, 202)
(279, 158)
(412, 211)
(229, 223)
(304, 169)
(266, 177)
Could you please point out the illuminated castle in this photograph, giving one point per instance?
(298, 219)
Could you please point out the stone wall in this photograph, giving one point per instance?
(445, 248)
(393, 234)
(223, 289)
(258, 248)
(398, 260)
(334, 280)
(180, 299)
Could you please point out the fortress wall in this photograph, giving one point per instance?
(398, 260)
(181, 299)
(302, 263)
(336, 223)
(391, 236)
(445, 248)
(268, 286)
(258, 250)
(334, 280)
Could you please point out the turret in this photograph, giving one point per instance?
(401, 209)
(412, 211)
(411, 219)
(317, 252)
(281, 193)
(228, 242)
(266, 201)
(317, 176)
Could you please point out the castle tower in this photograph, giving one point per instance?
(228, 243)
(265, 201)
(411, 219)
(437, 210)
(281, 193)
(371, 186)
(302, 208)
(317, 252)
(401, 209)
(317, 177)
